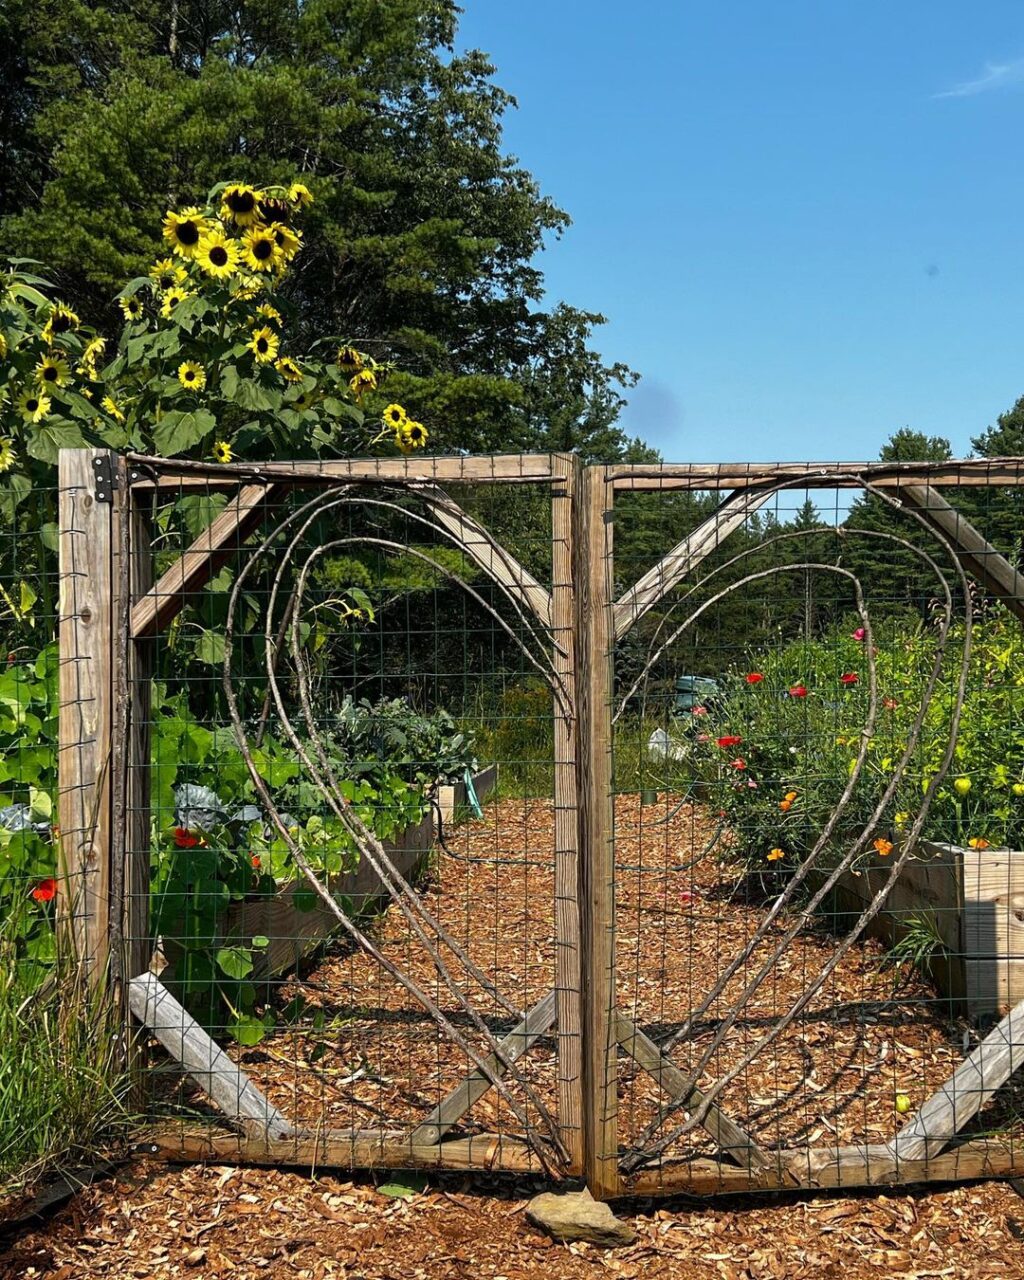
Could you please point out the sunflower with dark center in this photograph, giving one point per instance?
(288, 369)
(395, 416)
(165, 274)
(414, 435)
(192, 376)
(217, 255)
(273, 210)
(184, 230)
(288, 241)
(172, 298)
(51, 372)
(261, 252)
(34, 406)
(8, 456)
(365, 380)
(132, 307)
(349, 360)
(264, 345)
(62, 320)
(222, 451)
(239, 203)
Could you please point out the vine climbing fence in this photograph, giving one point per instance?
(654, 824)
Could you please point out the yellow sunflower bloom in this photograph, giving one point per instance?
(61, 320)
(8, 457)
(3, 347)
(52, 372)
(131, 307)
(166, 273)
(33, 406)
(413, 435)
(288, 242)
(222, 451)
(111, 406)
(301, 402)
(94, 350)
(365, 380)
(217, 255)
(264, 345)
(184, 230)
(300, 195)
(171, 300)
(350, 360)
(288, 369)
(261, 251)
(394, 416)
(239, 204)
(192, 376)
(268, 312)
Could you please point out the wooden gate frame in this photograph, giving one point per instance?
(110, 611)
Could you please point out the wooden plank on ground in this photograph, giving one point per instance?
(982, 1072)
(450, 1111)
(733, 1140)
(207, 1064)
(201, 561)
(686, 555)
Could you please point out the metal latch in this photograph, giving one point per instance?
(106, 481)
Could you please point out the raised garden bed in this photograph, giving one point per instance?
(974, 901)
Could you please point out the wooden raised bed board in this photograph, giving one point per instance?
(975, 898)
(294, 933)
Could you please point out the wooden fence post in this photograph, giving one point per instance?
(87, 480)
(594, 642)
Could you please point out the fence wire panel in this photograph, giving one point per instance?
(819, 799)
(356, 706)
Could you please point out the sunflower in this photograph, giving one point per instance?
(413, 435)
(33, 406)
(288, 242)
(246, 287)
(7, 455)
(349, 360)
(365, 380)
(238, 204)
(52, 372)
(300, 195)
(394, 416)
(217, 255)
(184, 230)
(302, 402)
(165, 273)
(94, 350)
(3, 347)
(109, 404)
(268, 312)
(171, 299)
(132, 307)
(288, 369)
(261, 252)
(192, 376)
(222, 451)
(62, 320)
(264, 345)
(273, 209)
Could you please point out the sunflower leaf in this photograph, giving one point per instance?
(133, 286)
(250, 395)
(44, 441)
(178, 431)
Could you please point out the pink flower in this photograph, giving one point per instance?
(859, 634)
(752, 784)
(699, 711)
(703, 737)
(798, 691)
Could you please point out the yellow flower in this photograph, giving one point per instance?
(1018, 788)
(238, 204)
(246, 287)
(978, 842)
(883, 846)
(94, 351)
(184, 230)
(288, 369)
(301, 402)
(903, 1103)
(413, 435)
(288, 242)
(3, 347)
(52, 372)
(300, 195)
(349, 360)
(365, 380)
(61, 320)
(34, 406)
(260, 252)
(961, 786)
(217, 255)
(268, 312)
(395, 416)
(222, 451)
(171, 299)
(901, 819)
(166, 273)
(7, 455)
(192, 376)
(264, 345)
(775, 854)
(131, 307)
(110, 405)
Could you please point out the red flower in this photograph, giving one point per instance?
(851, 677)
(184, 838)
(754, 677)
(798, 691)
(738, 763)
(45, 890)
(731, 740)
(254, 858)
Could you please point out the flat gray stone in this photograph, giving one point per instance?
(576, 1215)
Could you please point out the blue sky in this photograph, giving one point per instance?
(804, 220)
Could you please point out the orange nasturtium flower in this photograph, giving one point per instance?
(978, 842)
(787, 803)
(883, 846)
(775, 854)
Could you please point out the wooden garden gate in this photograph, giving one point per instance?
(111, 611)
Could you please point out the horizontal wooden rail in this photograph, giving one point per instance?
(817, 475)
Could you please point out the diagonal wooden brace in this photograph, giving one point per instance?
(733, 1140)
(538, 1021)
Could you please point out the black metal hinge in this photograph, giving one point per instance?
(106, 480)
